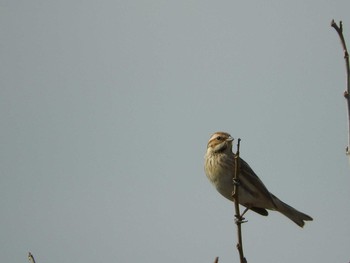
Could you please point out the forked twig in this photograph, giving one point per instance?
(238, 216)
(339, 30)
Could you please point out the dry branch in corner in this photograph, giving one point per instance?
(339, 30)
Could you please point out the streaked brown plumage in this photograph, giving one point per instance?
(219, 168)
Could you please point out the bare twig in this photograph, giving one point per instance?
(235, 195)
(31, 258)
(339, 30)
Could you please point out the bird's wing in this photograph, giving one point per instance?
(251, 178)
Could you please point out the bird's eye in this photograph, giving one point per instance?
(218, 138)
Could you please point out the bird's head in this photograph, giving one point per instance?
(220, 142)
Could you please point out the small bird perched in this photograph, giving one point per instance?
(253, 194)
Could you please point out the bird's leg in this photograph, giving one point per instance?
(240, 219)
(245, 211)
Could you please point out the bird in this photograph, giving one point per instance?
(219, 166)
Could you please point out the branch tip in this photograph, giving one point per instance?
(332, 23)
(339, 30)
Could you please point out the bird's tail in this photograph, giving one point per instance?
(290, 212)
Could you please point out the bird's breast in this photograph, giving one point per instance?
(219, 170)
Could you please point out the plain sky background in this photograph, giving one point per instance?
(106, 108)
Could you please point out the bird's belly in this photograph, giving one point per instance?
(248, 195)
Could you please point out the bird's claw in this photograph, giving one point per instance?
(240, 220)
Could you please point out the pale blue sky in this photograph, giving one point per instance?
(106, 108)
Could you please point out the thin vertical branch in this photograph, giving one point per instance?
(339, 30)
(235, 195)
(31, 258)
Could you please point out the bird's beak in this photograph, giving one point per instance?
(229, 139)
